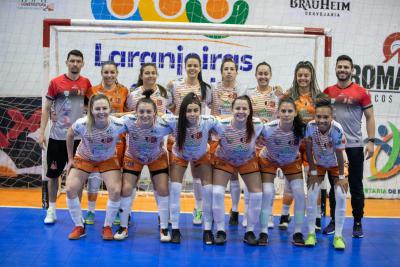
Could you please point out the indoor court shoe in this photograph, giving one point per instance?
(298, 239)
(117, 220)
(284, 222)
(220, 238)
(338, 243)
(51, 216)
(263, 239)
(357, 230)
(311, 240)
(107, 233)
(318, 224)
(234, 218)
(329, 229)
(121, 234)
(250, 238)
(208, 237)
(77, 233)
(89, 218)
(197, 217)
(176, 236)
(164, 235)
(271, 224)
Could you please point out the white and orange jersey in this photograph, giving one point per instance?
(145, 144)
(281, 147)
(233, 146)
(265, 105)
(162, 102)
(196, 138)
(222, 98)
(179, 89)
(325, 145)
(99, 144)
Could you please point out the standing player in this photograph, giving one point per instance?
(325, 144)
(65, 100)
(117, 94)
(223, 95)
(282, 142)
(236, 152)
(193, 82)
(304, 90)
(95, 153)
(264, 98)
(351, 102)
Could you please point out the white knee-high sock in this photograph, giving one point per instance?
(175, 203)
(94, 183)
(312, 197)
(246, 202)
(125, 210)
(111, 211)
(297, 186)
(266, 206)
(255, 200)
(74, 207)
(155, 196)
(340, 211)
(92, 206)
(318, 211)
(197, 188)
(163, 203)
(207, 206)
(218, 206)
(234, 187)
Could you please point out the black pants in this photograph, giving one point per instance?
(355, 156)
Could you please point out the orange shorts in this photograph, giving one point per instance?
(206, 159)
(134, 166)
(333, 171)
(120, 150)
(303, 153)
(267, 166)
(213, 147)
(249, 167)
(101, 166)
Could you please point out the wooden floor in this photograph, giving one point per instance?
(145, 202)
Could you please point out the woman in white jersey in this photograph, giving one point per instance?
(146, 132)
(191, 136)
(96, 153)
(193, 82)
(223, 94)
(282, 141)
(325, 147)
(236, 152)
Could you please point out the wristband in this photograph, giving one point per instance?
(341, 177)
(372, 140)
(314, 172)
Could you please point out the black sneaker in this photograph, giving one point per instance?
(298, 239)
(318, 224)
(357, 230)
(250, 238)
(208, 237)
(284, 222)
(176, 236)
(220, 238)
(234, 218)
(329, 229)
(263, 239)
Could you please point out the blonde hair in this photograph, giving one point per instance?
(89, 116)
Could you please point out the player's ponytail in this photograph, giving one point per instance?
(147, 99)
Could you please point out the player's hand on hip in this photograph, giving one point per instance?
(42, 141)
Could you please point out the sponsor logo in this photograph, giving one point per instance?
(321, 8)
(35, 4)
(391, 47)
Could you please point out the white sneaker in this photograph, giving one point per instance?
(271, 222)
(164, 235)
(244, 221)
(51, 216)
(121, 234)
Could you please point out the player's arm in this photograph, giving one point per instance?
(46, 109)
(370, 125)
(313, 179)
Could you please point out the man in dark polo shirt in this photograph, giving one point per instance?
(351, 102)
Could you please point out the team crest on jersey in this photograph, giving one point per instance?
(198, 135)
(106, 140)
(151, 139)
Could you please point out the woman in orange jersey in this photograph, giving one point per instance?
(192, 83)
(304, 90)
(117, 94)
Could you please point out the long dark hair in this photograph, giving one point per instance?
(298, 123)
(146, 99)
(294, 91)
(139, 82)
(190, 98)
(203, 84)
(249, 123)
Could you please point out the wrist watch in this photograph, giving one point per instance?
(341, 177)
(372, 140)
